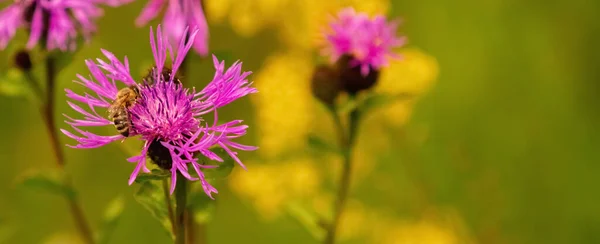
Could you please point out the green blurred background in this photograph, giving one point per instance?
(511, 145)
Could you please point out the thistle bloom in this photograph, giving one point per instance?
(179, 15)
(166, 116)
(369, 41)
(55, 21)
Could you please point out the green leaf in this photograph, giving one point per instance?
(64, 59)
(347, 106)
(53, 181)
(112, 215)
(152, 197)
(224, 168)
(313, 223)
(318, 143)
(155, 174)
(375, 101)
(224, 54)
(202, 207)
(12, 83)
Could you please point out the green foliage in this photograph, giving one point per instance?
(224, 168)
(202, 207)
(49, 180)
(152, 197)
(12, 83)
(155, 174)
(320, 145)
(311, 221)
(374, 101)
(63, 59)
(112, 216)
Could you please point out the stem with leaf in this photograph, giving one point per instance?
(165, 186)
(346, 139)
(47, 112)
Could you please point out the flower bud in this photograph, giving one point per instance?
(160, 155)
(326, 84)
(23, 61)
(352, 79)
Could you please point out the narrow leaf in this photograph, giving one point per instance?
(320, 144)
(308, 218)
(375, 101)
(155, 174)
(53, 181)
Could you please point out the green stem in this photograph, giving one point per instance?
(165, 186)
(180, 202)
(35, 86)
(48, 117)
(346, 140)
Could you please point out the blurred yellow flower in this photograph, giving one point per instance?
(284, 104)
(300, 28)
(63, 238)
(270, 186)
(414, 74)
(437, 228)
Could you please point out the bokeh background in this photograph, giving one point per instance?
(500, 145)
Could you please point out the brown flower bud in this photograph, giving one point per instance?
(326, 84)
(352, 79)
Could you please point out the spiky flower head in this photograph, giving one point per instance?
(165, 115)
(56, 23)
(178, 15)
(368, 41)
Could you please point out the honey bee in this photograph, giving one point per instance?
(166, 73)
(118, 111)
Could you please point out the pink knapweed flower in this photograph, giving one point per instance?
(164, 114)
(179, 15)
(369, 41)
(56, 22)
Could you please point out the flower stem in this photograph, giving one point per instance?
(47, 111)
(180, 202)
(346, 140)
(165, 186)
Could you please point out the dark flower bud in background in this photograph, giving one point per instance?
(351, 77)
(23, 61)
(325, 84)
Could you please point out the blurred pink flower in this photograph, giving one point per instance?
(368, 41)
(179, 15)
(55, 21)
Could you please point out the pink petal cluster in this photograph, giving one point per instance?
(178, 15)
(165, 112)
(57, 21)
(369, 41)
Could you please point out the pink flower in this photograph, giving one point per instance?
(165, 115)
(179, 15)
(57, 21)
(369, 41)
